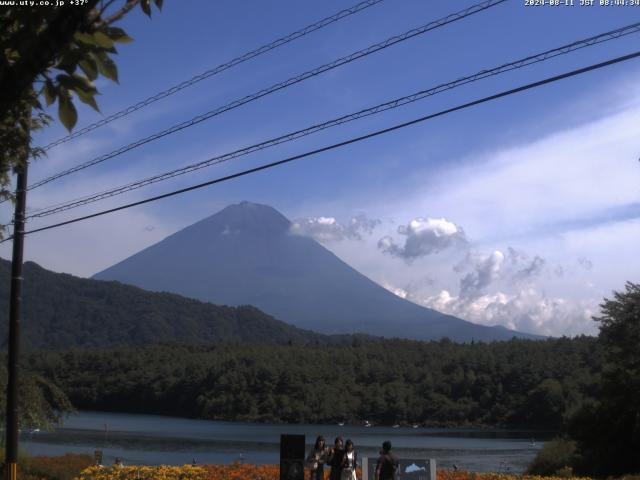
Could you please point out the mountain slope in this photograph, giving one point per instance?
(245, 254)
(61, 311)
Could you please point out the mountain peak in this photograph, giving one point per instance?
(244, 217)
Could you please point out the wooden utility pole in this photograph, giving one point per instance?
(11, 445)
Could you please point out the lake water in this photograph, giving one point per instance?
(153, 440)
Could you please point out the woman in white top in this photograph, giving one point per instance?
(349, 462)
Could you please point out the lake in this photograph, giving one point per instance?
(153, 440)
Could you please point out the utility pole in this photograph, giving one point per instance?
(11, 446)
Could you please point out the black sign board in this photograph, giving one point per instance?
(292, 457)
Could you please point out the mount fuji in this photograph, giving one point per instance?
(246, 255)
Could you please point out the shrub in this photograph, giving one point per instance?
(554, 459)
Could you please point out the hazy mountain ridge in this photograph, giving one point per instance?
(61, 311)
(245, 254)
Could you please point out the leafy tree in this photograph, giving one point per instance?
(42, 403)
(50, 55)
(607, 431)
(545, 403)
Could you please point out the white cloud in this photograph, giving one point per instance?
(486, 270)
(328, 229)
(512, 268)
(528, 310)
(508, 288)
(400, 292)
(424, 236)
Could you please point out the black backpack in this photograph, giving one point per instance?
(389, 466)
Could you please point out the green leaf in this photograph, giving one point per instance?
(106, 66)
(102, 40)
(65, 81)
(83, 83)
(85, 90)
(118, 35)
(146, 7)
(85, 38)
(50, 93)
(88, 98)
(89, 67)
(67, 111)
(69, 60)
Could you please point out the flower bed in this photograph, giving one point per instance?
(238, 471)
(460, 475)
(162, 472)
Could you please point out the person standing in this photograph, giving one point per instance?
(387, 464)
(349, 462)
(335, 459)
(316, 459)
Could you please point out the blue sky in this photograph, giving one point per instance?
(541, 190)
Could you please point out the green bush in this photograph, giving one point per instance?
(554, 459)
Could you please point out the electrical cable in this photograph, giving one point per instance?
(220, 68)
(279, 86)
(532, 59)
(502, 94)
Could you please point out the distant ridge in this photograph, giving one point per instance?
(61, 311)
(244, 254)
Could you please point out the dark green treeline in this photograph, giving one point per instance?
(515, 383)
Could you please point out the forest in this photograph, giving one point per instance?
(517, 383)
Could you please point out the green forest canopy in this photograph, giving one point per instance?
(516, 383)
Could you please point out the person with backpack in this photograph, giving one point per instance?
(387, 465)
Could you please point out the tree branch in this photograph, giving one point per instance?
(130, 5)
(105, 5)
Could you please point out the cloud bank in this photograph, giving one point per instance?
(328, 229)
(424, 236)
(527, 310)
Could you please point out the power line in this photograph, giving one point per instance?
(532, 59)
(279, 86)
(220, 68)
(529, 86)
